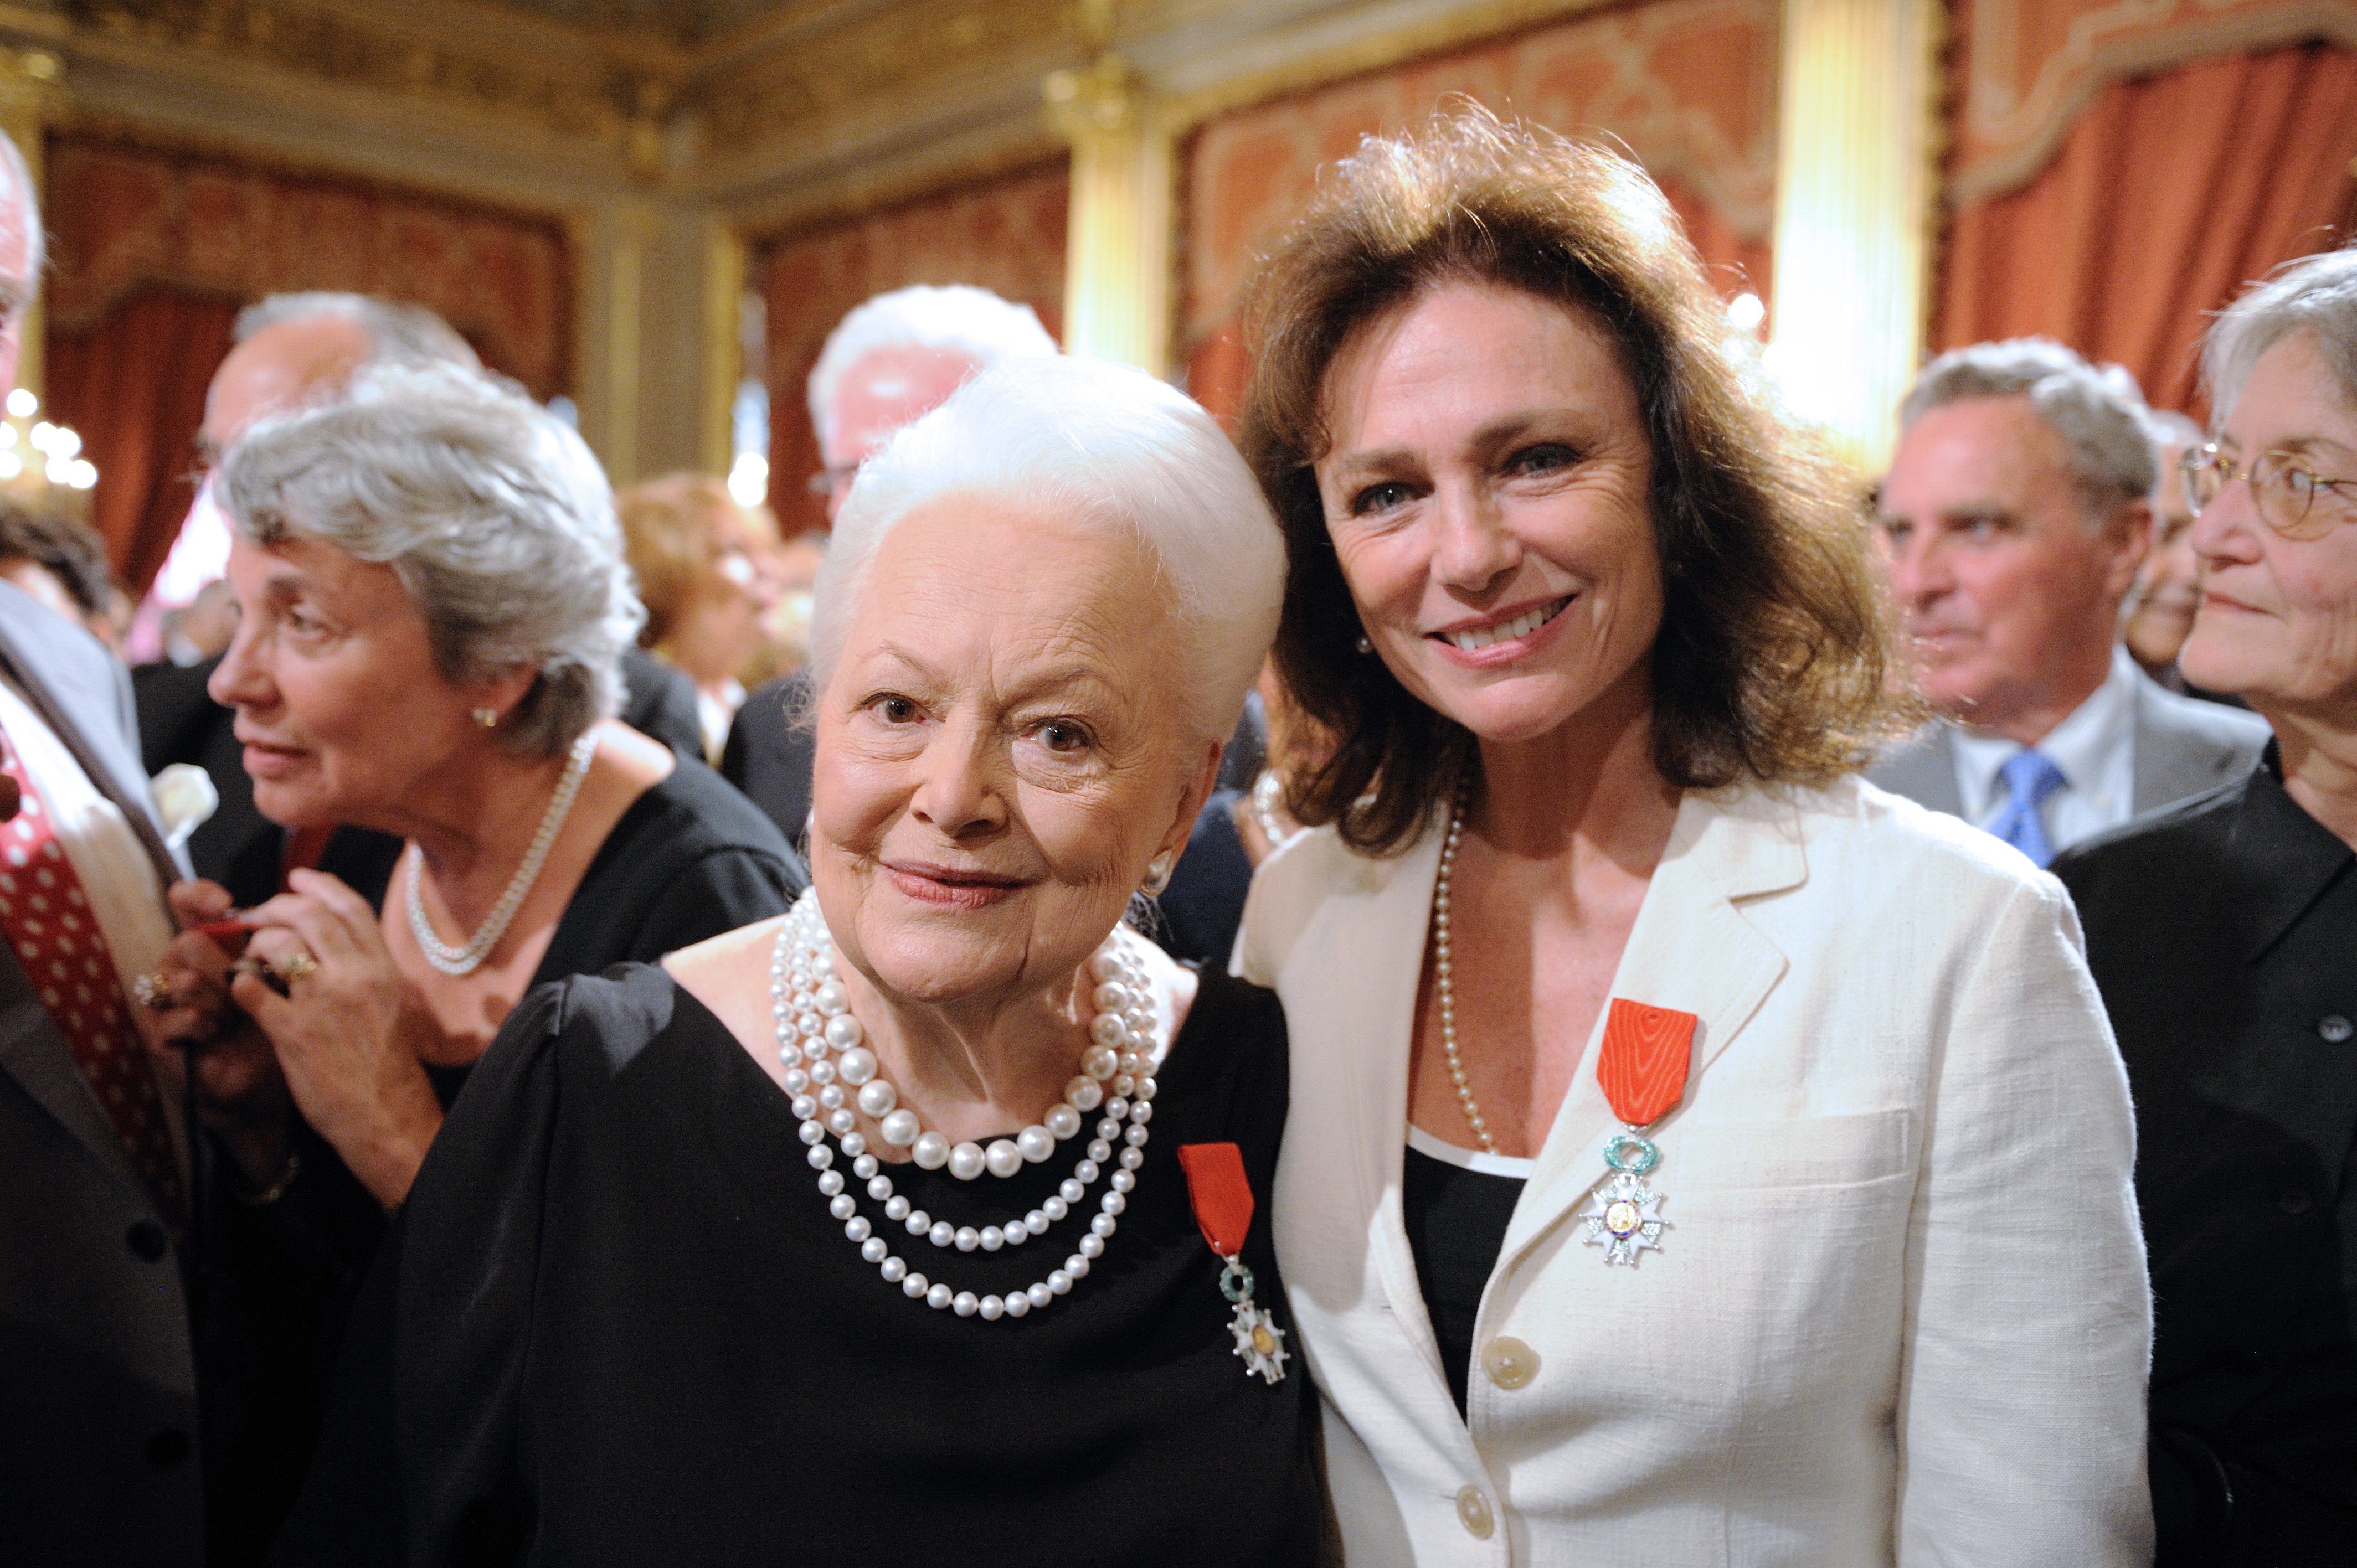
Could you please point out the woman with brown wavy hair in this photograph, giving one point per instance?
(1695, 1154)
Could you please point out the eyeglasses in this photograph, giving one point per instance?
(2283, 487)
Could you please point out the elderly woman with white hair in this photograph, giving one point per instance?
(433, 605)
(931, 1221)
(2224, 935)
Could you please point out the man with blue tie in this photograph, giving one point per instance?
(2013, 518)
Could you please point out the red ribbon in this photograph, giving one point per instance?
(1222, 1197)
(1643, 1068)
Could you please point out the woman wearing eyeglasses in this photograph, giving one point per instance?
(2224, 935)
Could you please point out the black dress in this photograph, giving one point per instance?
(689, 859)
(621, 1328)
(2222, 933)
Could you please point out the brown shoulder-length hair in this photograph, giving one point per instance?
(1771, 659)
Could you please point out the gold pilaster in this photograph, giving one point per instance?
(1855, 194)
(609, 252)
(1119, 246)
(31, 87)
(723, 357)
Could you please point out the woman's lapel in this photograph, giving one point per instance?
(1691, 950)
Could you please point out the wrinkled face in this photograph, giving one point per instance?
(999, 758)
(1487, 491)
(2008, 590)
(2277, 625)
(2169, 587)
(282, 367)
(340, 705)
(884, 389)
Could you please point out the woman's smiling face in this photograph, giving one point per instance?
(1487, 485)
(998, 756)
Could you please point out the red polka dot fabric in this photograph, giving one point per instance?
(45, 920)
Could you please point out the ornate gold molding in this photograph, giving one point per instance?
(1118, 293)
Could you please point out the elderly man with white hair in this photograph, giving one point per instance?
(2014, 518)
(929, 1222)
(2224, 935)
(892, 359)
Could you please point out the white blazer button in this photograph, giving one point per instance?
(1510, 1363)
(1474, 1513)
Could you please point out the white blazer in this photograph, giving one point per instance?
(1900, 1312)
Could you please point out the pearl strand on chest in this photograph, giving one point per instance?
(828, 1070)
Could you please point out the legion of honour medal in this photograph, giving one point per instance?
(1642, 1071)
(1222, 1197)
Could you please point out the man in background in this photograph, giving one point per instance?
(887, 364)
(61, 562)
(2167, 589)
(294, 351)
(100, 1460)
(2014, 519)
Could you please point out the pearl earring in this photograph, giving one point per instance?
(1157, 875)
(1364, 645)
(486, 717)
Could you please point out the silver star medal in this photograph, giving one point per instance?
(1260, 1342)
(1627, 1217)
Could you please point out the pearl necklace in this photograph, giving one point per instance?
(828, 1070)
(468, 959)
(1440, 971)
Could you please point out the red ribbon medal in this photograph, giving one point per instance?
(1643, 1071)
(1223, 1199)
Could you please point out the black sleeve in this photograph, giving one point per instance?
(660, 702)
(418, 1463)
(717, 892)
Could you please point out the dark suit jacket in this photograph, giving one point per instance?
(2184, 746)
(2224, 935)
(99, 1461)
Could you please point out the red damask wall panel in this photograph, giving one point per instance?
(125, 218)
(1688, 86)
(1005, 235)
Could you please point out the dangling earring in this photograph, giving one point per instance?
(1364, 645)
(486, 717)
(1157, 875)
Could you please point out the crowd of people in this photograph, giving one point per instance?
(1541, 979)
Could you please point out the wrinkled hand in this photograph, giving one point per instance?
(345, 1034)
(241, 1094)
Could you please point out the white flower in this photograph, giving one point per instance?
(186, 800)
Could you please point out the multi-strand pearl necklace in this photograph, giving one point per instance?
(1441, 978)
(829, 1071)
(468, 959)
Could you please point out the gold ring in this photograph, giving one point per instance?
(298, 965)
(152, 991)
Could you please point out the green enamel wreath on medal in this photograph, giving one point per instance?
(1643, 1071)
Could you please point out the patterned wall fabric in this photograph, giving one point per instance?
(1005, 235)
(125, 218)
(1689, 86)
(2028, 68)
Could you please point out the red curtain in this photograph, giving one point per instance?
(2169, 195)
(133, 383)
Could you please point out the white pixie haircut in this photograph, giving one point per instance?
(2097, 410)
(2316, 294)
(398, 333)
(497, 520)
(972, 321)
(1109, 447)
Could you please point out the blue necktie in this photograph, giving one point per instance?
(2029, 778)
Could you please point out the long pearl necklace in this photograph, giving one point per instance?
(468, 959)
(1440, 971)
(828, 1070)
